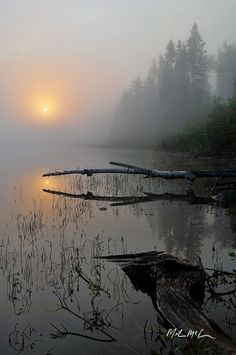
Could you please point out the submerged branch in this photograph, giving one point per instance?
(63, 332)
(93, 326)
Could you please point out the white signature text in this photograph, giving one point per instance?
(178, 333)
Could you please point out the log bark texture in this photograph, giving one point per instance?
(123, 168)
(176, 288)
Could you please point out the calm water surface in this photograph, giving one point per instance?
(56, 298)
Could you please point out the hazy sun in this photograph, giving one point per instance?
(44, 109)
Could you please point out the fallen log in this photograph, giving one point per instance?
(177, 290)
(188, 175)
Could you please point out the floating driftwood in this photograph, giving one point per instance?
(177, 289)
(188, 175)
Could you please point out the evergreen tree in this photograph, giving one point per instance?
(151, 82)
(166, 74)
(226, 71)
(167, 86)
(174, 93)
(170, 56)
(182, 85)
(198, 72)
(136, 91)
(151, 103)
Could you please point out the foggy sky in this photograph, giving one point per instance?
(86, 52)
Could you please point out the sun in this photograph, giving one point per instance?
(45, 109)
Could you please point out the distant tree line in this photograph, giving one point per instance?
(176, 93)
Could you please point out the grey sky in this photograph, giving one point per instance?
(97, 47)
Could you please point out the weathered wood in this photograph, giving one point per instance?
(188, 175)
(90, 172)
(177, 289)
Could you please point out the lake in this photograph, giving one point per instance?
(56, 296)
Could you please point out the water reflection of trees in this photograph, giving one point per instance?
(54, 254)
(182, 226)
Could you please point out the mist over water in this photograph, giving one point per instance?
(83, 83)
(46, 238)
(80, 56)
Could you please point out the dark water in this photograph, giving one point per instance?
(56, 298)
